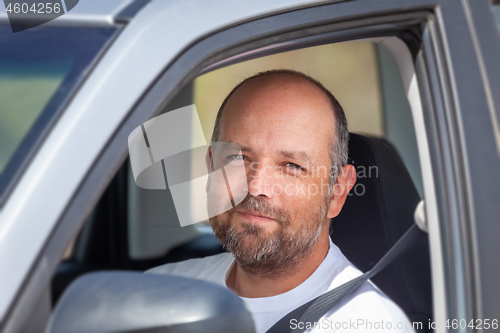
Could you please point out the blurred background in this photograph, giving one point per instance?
(349, 70)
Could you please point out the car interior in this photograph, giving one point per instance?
(132, 228)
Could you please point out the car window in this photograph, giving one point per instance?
(349, 69)
(39, 68)
(362, 75)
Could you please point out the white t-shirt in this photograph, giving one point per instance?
(366, 310)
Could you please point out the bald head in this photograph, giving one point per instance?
(289, 102)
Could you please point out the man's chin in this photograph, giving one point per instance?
(240, 237)
(249, 240)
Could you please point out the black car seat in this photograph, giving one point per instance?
(378, 211)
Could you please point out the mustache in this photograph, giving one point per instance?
(263, 207)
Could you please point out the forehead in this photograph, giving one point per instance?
(279, 114)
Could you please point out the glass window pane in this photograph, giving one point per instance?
(496, 12)
(25, 89)
(39, 70)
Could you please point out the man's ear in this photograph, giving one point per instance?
(208, 161)
(344, 183)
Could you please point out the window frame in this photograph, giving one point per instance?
(461, 123)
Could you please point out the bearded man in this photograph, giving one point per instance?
(292, 137)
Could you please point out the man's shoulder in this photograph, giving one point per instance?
(369, 307)
(367, 304)
(368, 295)
(208, 268)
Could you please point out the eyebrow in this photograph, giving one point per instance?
(287, 153)
(295, 154)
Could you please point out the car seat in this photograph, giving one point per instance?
(377, 212)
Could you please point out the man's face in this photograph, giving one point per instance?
(284, 128)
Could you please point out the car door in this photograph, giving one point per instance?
(447, 53)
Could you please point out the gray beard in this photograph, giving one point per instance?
(268, 255)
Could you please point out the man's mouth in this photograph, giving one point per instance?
(255, 217)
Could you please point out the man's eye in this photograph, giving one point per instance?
(295, 166)
(236, 157)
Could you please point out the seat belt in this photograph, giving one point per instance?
(315, 309)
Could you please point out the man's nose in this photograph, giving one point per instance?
(260, 180)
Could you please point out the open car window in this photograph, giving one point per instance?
(496, 13)
(364, 77)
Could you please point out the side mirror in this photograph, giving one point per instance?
(138, 302)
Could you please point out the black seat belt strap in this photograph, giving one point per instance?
(313, 310)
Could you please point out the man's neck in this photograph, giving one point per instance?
(249, 285)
